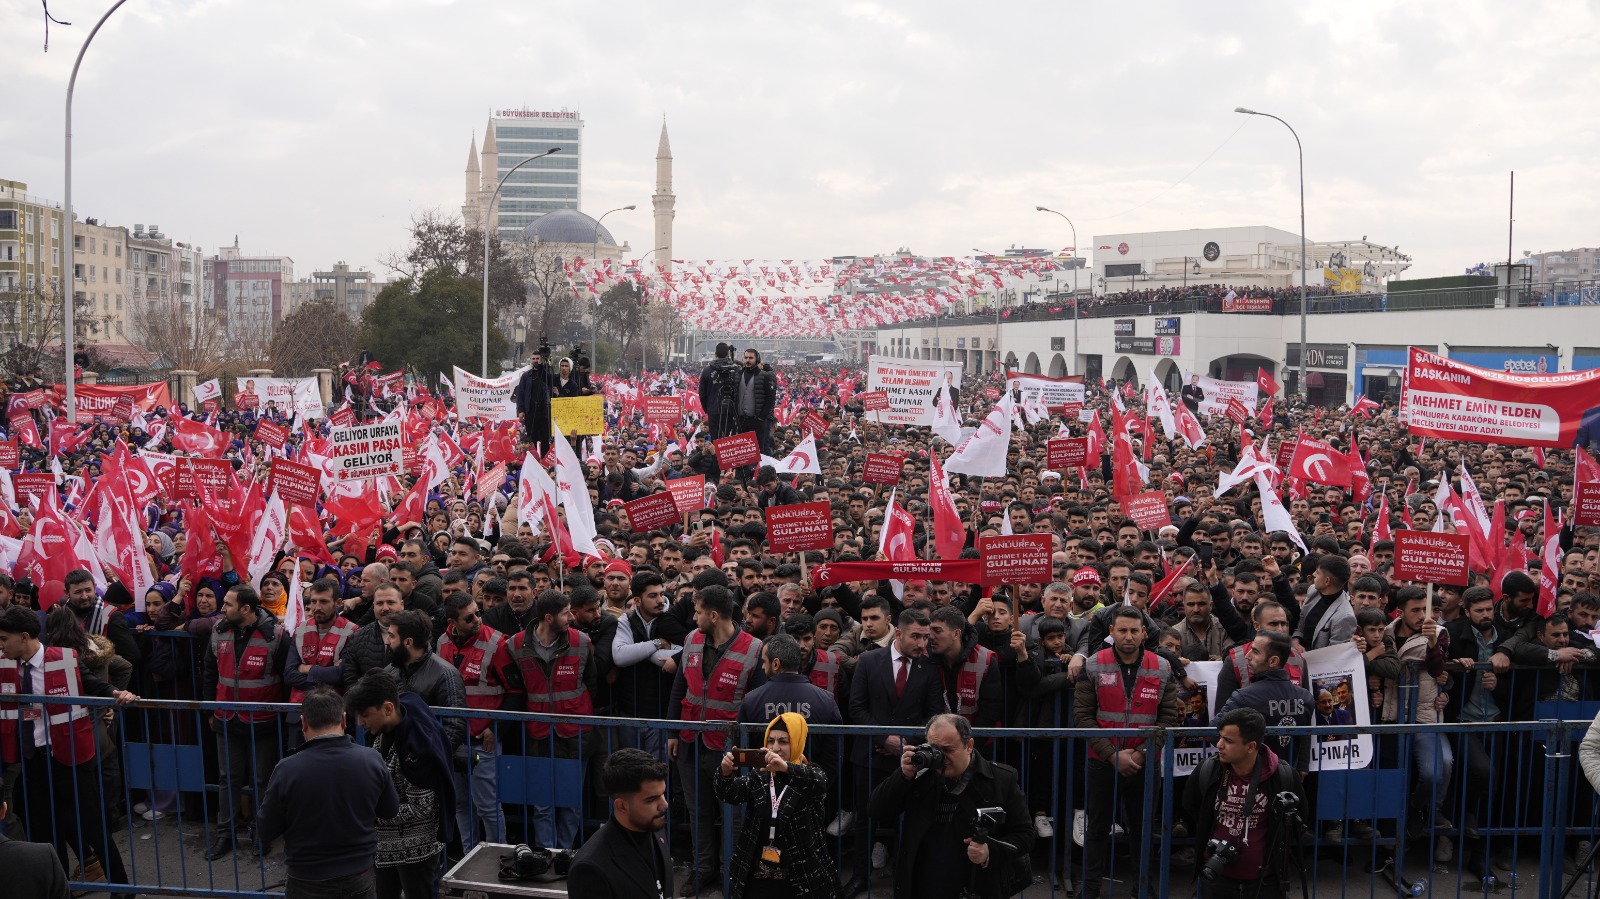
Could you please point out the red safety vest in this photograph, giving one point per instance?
(70, 727)
(563, 691)
(248, 678)
(475, 661)
(1241, 665)
(322, 650)
(825, 672)
(968, 680)
(1112, 707)
(728, 682)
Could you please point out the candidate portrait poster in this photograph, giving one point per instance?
(1054, 392)
(1338, 686)
(292, 396)
(1199, 709)
(1217, 392)
(1455, 401)
(910, 384)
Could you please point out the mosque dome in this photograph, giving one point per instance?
(568, 226)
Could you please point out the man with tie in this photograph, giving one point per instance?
(59, 791)
(898, 688)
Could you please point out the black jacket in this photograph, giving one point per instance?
(1200, 808)
(363, 652)
(873, 700)
(610, 865)
(1283, 704)
(993, 784)
(991, 692)
(532, 398)
(32, 869)
(766, 391)
(796, 693)
(801, 819)
(439, 684)
(325, 801)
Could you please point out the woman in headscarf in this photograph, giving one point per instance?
(275, 594)
(780, 851)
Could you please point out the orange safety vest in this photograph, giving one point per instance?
(563, 691)
(1241, 665)
(70, 728)
(728, 681)
(1112, 708)
(247, 678)
(322, 650)
(475, 661)
(968, 680)
(825, 672)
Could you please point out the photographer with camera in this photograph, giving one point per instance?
(719, 384)
(780, 852)
(1246, 803)
(967, 831)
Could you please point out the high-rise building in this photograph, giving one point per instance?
(1577, 264)
(99, 274)
(542, 186)
(351, 290)
(246, 291)
(30, 266)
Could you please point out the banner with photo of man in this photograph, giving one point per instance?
(1217, 393)
(911, 385)
(1199, 708)
(292, 396)
(1338, 682)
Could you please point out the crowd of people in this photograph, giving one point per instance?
(398, 617)
(1160, 300)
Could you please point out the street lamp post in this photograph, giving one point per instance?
(488, 213)
(643, 346)
(1074, 281)
(594, 250)
(996, 320)
(1300, 150)
(67, 278)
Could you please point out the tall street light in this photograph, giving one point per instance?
(643, 346)
(488, 215)
(1074, 281)
(996, 317)
(594, 251)
(1302, 153)
(67, 335)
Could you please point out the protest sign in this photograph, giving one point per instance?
(491, 480)
(1431, 558)
(98, 400)
(875, 401)
(271, 433)
(799, 527)
(366, 451)
(1066, 452)
(1071, 411)
(882, 468)
(813, 423)
(1148, 510)
(653, 512)
(1087, 415)
(1285, 453)
(297, 484)
(1585, 501)
(1199, 707)
(193, 472)
(662, 410)
(1218, 392)
(11, 455)
(291, 396)
(579, 414)
(1338, 677)
(910, 385)
(737, 451)
(1015, 559)
(123, 409)
(487, 398)
(1455, 401)
(965, 571)
(688, 494)
(247, 401)
(31, 485)
(210, 407)
(1237, 411)
(1053, 392)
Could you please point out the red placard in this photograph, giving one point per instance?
(408, 456)
(814, 424)
(663, 409)
(1235, 303)
(246, 400)
(491, 481)
(882, 468)
(1285, 454)
(215, 474)
(988, 505)
(688, 494)
(10, 455)
(297, 484)
(1585, 502)
(991, 393)
(1017, 559)
(1148, 509)
(1066, 452)
(1069, 411)
(1431, 558)
(209, 406)
(122, 409)
(31, 484)
(1238, 412)
(799, 527)
(653, 512)
(875, 401)
(271, 433)
(737, 451)
(35, 399)
(342, 417)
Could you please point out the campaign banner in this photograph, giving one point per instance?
(296, 484)
(799, 527)
(211, 406)
(291, 396)
(342, 417)
(653, 512)
(31, 485)
(409, 457)
(487, 398)
(1199, 707)
(100, 400)
(193, 472)
(1071, 411)
(1235, 303)
(271, 433)
(737, 451)
(663, 410)
(1585, 500)
(1237, 413)
(910, 385)
(1430, 558)
(1285, 454)
(1148, 510)
(585, 415)
(965, 571)
(814, 423)
(1055, 392)
(875, 401)
(1016, 559)
(1218, 392)
(366, 451)
(688, 494)
(882, 468)
(11, 455)
(1456, 401)
(1087, 415)
(1338, 681)
(1066, 452)
(490, 482)
(36, 399)
(208, 390)
(123, 409)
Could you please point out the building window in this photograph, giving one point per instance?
(119, 251)
(119, 276)
(8, 219)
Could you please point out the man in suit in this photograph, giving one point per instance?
(898, 688)
(626, 858)
(32, 869)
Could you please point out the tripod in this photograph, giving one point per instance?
(1584, 865)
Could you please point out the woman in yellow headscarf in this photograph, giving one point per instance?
(780, 851)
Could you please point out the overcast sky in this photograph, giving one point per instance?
(316, 128)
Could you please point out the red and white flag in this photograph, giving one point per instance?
(1265, 384)
(1381, 529)
(1319, 463)
(1363, 407)
(949, 531)
(1550, 571)
(196, 438)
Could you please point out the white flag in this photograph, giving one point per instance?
(803, 460)
(984, 453)
(572, 491)
(1156, 402)
(264, 546)
(1273, 512)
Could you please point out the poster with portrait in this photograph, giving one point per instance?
(1338, 684)
(1199, 707)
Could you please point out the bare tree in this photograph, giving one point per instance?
(31, 323)
(194, 340)
(441, 243)
(316, 335)
(550, 300)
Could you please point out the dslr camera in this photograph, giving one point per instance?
(1222, 853)
(927, 757)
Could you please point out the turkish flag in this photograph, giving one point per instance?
(949, 531)
(1319, 463)
(1265, 383)
(196, 438)
(200, 556)
(411, 508)
(1381, 530)
(1265, 415)
(1364, 407)
(48, 552)
(1360, 482)
(305, 534)
(1550, 573)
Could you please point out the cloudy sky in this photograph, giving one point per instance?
(317, 128)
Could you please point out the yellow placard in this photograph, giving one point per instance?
(584, 415)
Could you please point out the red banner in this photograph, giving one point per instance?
(1452, 400)
(875, 401)
(662, 409)
(31, 485)
(813, 423)
(1017, 559)
(882, 468)
(1066, 452)
(36, 399)
(1235, 303)
(10, 455)
(209, 406)
(1148, 509)
(1238, 412)
(101, 400)
(688, 494)
(653, 512)
(246, 400)
(271, 433)
(965, 571)
(1585, 503)
(1285, 453)
(1431, 558)
(122, 409)
(737, 451)
(799, 527)
(215, 474)
(1071, 411)
(296, 484)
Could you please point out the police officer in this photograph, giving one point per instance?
(1266, 616)
(1271, 691)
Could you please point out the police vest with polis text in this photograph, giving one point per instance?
(1114, 706)
(719, 699)
(70, 727)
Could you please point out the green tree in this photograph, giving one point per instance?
(441, 244)
(429, 325)
(620, 316)
(316, 335)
